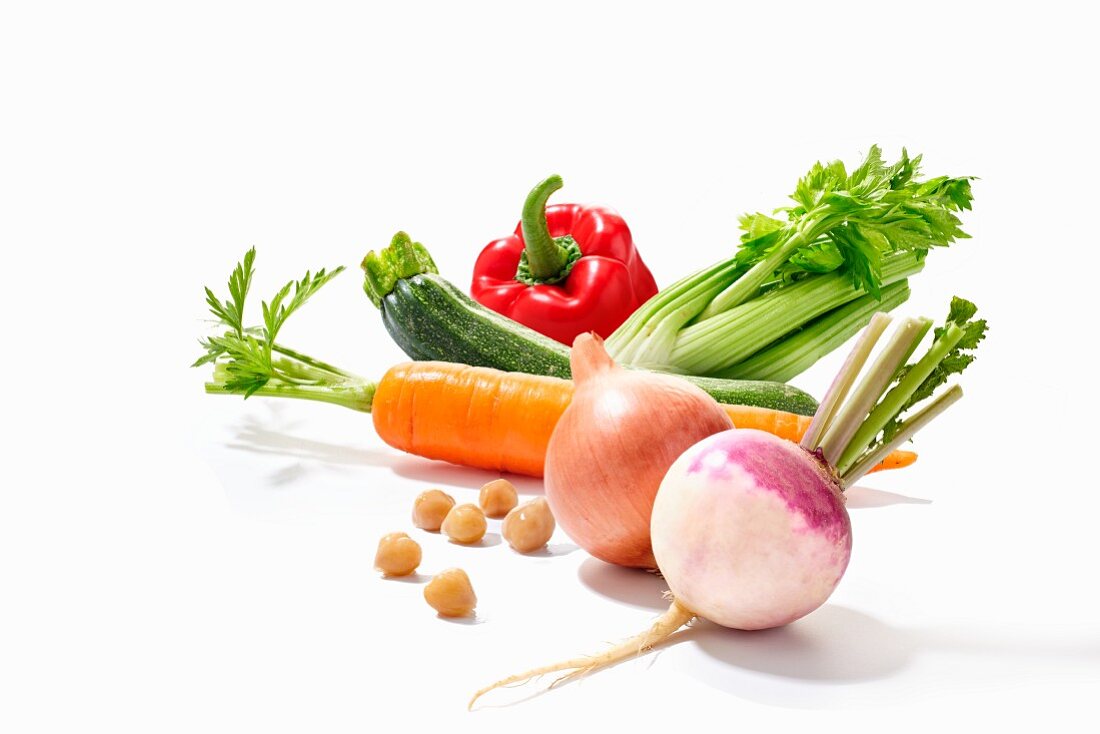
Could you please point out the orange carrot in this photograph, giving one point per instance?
(895, 460)
(474, 416)
(485, 418)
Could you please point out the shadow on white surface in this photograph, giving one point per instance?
(859, 498)
(255, 435)
(440, 472)
(631, 586)
(833, 644)
(412, 578)
(837, 657)
(469, 621)
(552, 550)
(487, 541)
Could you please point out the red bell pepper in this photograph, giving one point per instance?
(568, 269)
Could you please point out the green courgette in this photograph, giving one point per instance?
(431, 319)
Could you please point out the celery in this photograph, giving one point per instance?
(754, 325)
(841, 243)
(792, 355)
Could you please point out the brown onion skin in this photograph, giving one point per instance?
(612, 447)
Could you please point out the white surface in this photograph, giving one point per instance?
(173, 562)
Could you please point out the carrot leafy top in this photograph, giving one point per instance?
(247, 360)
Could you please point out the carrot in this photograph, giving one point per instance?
(486, 418)
(895, 460)
(474, 416)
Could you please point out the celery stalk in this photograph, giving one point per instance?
(713, 345)
(794, 354)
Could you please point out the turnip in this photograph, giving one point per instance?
(749, 530)
(728, 498)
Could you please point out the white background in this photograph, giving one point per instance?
(176, 562)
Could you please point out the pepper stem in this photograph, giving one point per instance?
(545, 259)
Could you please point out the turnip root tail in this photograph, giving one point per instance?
(675, 618)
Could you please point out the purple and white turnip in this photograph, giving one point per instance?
(728, 498)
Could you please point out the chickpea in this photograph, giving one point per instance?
(529, 526)
(450, 593)
(464, 524)
(398, 555)
(498, 497)
(430, 508)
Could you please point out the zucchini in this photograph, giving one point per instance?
(431, 319)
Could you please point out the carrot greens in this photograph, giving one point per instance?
(248, 361)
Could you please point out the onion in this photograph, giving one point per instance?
(612, 446)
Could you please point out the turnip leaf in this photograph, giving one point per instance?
(961, 313)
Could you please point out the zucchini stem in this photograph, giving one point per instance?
(403, 258)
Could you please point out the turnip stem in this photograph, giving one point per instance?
(896, 399)
(909, 427)
(844, 379)
(673, 619)
(902, 342)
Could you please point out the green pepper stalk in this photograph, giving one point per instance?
(545, 259)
